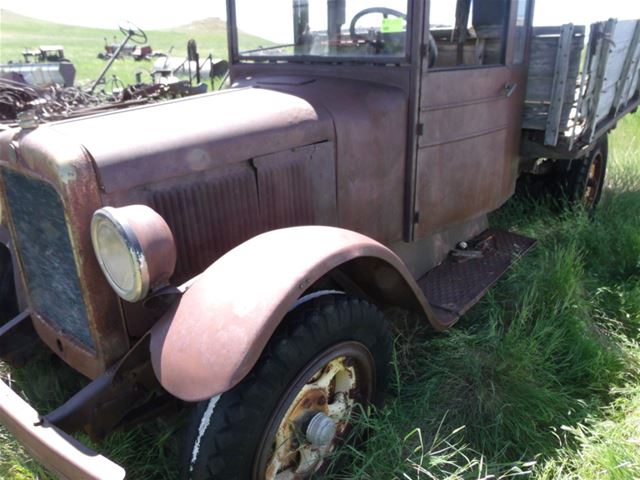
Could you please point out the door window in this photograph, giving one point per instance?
(469, 32)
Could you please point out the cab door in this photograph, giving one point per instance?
(470, 110)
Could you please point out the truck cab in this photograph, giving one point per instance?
(237, 254)
(460, 68)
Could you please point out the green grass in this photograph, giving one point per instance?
(541, 379)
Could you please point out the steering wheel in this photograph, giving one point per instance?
(368, 11)
(433, 46)
(136, 35)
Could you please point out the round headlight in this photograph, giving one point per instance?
(135, 249)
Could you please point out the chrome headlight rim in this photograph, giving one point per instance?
(141, 277)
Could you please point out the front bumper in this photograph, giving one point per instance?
(55, 449)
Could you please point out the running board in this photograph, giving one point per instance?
(462, 279)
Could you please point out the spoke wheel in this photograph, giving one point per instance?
(327, 389)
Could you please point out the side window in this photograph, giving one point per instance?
(469, 32)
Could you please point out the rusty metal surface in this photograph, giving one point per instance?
(468, 155)
(424, 254)
(208, 215)
(371, 121)
(207, 343)
(59, 452)
(46, 253)
(463, 278)
(117, 398)
(192, 135)
(297, 187)
(54, 159)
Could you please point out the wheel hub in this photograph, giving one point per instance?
(321, 430)
(314, 422)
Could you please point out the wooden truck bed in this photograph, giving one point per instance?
(574, 95)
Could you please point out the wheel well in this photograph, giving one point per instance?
(370, 279)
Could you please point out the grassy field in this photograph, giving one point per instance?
(540, 380)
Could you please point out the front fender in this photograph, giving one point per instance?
(212, 337)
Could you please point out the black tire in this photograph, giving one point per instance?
(583, 183)
(230, 438)
(8, 300)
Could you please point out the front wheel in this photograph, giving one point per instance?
(297, 405)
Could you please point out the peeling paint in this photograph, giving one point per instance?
(204, 424)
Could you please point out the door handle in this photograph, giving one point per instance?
(510, 89)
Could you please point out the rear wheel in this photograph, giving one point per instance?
(297, 405)
(584, 181)
(576, 182)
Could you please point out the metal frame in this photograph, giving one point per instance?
(56, 449)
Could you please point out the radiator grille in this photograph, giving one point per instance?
(47, 257)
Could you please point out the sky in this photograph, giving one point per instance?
(150, 15)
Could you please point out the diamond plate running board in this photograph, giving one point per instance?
(456, 285)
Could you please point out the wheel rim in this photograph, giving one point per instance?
(331, 385)
(594, 181)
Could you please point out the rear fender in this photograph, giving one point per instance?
(215, 333)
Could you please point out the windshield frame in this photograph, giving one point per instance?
(396, 60)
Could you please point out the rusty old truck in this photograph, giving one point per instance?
(235, 256)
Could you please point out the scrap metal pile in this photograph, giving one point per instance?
(56, 102)
(40, 92)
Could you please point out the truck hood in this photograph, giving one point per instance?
(152, 143)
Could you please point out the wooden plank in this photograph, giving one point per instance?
(542, 73)
(545, 31)
(541, 90)
(624, 84)
(535, 115)
(621, 53)
(542, 61)
(559, 86)
(603, 32)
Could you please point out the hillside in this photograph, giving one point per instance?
(211, 24)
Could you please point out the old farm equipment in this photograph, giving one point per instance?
(235, 255)
(42, 66)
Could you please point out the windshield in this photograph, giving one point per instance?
(322, 28)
